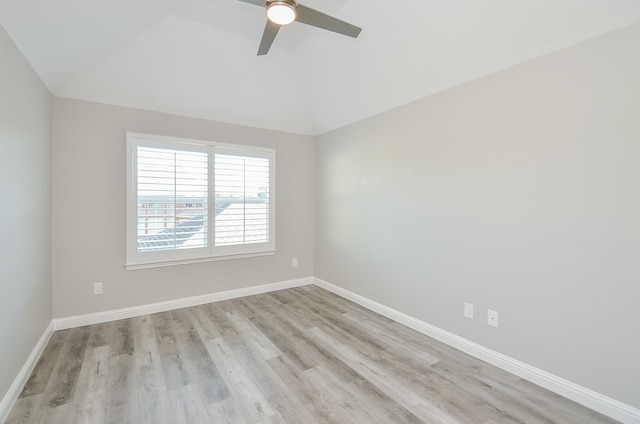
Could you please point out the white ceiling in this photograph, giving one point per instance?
(198, 57)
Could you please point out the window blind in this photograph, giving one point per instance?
(172, 193)
(241, 199)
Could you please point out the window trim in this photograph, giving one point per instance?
(137, 260)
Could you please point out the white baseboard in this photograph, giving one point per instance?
(12, 394)
(113, 315)
(587, 397)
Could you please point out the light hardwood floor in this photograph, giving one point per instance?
(301, 355)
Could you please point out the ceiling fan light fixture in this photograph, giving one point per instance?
(281, 12)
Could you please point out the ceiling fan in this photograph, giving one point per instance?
(284, 12)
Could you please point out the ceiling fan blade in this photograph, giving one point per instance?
(270, 31)
(317, 19)
(260, 3)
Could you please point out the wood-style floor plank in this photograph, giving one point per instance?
(39, 378)
(301, 355)
(62, 383)
(202, 368)
(92, 385)
(252, 404)
(317, 402)
(151, 388)
(187, 406)
(277, 394)
(175, 371)
(27, 409)
(120, 393)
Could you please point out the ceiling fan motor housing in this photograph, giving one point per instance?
(281, 12)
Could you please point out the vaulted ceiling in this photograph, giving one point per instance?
(198, 57)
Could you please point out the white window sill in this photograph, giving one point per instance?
(145, 265)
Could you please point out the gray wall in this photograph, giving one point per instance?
(25, 211)
(517, 192)
(89, 210)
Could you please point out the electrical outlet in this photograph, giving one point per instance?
(97, 288)
(294, 262)
(492, 318)
(468, 310)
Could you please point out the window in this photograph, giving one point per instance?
(192, 201)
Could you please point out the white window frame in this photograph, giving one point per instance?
(138, 260)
